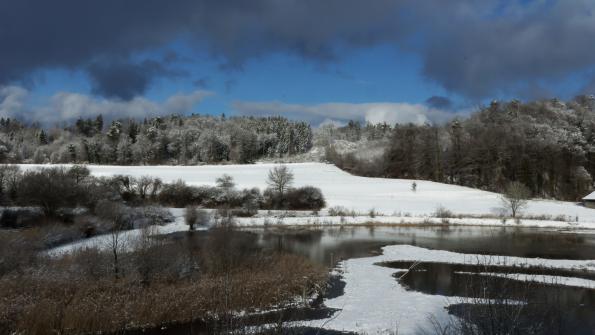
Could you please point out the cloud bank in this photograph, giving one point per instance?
(67, 106)
(339, 113)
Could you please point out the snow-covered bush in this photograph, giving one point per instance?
(443, 212)
(340, 211)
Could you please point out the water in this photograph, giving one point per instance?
(571, 309)
(329, 245)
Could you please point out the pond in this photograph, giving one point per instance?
(330, 245)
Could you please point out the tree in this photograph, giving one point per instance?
(8, 175)
(50, 189)
(72, 152)
(99, 123)
(280, 178)
(43, 138)
(196, 217)
(225, 182)
(515, 197)
(79, 173)
(147, 186)
(114, 214)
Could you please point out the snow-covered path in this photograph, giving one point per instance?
(388, 196)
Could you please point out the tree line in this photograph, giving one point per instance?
(548, 146)
(172, 139)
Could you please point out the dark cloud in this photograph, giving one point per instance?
(125, 80)
(474, 48)
(483, 48)
(439, 102)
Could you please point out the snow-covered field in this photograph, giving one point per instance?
(392, 197)
(375, 303)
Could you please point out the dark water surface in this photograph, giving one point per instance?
(334, 243)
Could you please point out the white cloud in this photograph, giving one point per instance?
(68, 106)
(388, 112)
(12, 100)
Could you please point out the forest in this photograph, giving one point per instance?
(546, 145)
(172, 139)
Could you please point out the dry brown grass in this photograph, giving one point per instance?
(66, 301)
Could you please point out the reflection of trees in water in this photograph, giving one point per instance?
(491, 304)
(371, 230)
(444, 230)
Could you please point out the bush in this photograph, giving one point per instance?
(372, 213)
(303, 198)
(177, 194)
(50, 189)
(443, 212)
(195, 216)
(207, 196)
(340, 211)
(20, 217)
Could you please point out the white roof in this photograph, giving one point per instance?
(591, 196)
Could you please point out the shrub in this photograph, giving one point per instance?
(196, 217)
(20, 217)
(177, 194)
(339, 211)
(442, 212)
(50, 189)
(207, 196)
(303, 198)
(372, 213)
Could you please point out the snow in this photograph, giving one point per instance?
(590, 196)
(128, 237)
(375, 303)
(386, 196)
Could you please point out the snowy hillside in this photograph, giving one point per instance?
(387, 196)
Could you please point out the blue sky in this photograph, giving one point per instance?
(377, 74)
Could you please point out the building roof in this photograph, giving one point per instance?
(590, 196)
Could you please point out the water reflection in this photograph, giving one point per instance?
(348, 242)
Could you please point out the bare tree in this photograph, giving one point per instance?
(143, 185)
(157, 184)
(79, 173)
(280, 179)
(7, 173)
(50, 189)
(196, 217)
(114, 213)
(515, 197)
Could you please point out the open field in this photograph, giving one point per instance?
(386, 196)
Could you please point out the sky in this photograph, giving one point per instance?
(322, 61)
